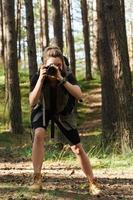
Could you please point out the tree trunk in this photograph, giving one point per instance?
(1, 33)
(31, 38)
(5, 58)
(18, 28)
(117, 106)
(132, 46)
(69, 35)
(44, 24)
(57, 23)
(12, 68)
(86, 33)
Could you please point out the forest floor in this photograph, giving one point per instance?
(65, 180)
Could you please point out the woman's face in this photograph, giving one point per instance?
(54, 61)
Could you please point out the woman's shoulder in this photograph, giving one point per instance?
(70, 77)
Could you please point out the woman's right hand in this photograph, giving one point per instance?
(42, 74)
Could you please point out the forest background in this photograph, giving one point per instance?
(97, 38)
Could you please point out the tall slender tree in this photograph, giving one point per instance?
(1, 33)
(117, 104)
(44, 24)
(86, 33)
(57, 23)
(69, 36)
(5, 56)
(132, 46)
(18, 28)
(31, 38)
(12, 68)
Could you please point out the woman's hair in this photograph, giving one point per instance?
(54, 51)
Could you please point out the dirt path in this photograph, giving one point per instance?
(92, 104)
(62, 182)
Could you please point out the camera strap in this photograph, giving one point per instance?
(43, 102)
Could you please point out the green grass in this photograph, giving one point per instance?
(20, 149)
(88, 85)
(24, 86)
(22, 192)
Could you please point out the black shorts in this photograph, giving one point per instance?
(72, 135)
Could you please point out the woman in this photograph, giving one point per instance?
(53, 94)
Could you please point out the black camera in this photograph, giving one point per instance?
(51, 70)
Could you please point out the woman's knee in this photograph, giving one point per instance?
(77, 149)
(40, 134)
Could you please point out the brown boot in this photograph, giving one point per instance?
(37, 182)
(94, 188)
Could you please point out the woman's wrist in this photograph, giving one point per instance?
(41, 79)
(60, 78)
(63, 81)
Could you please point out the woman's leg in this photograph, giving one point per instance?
(81, 155)
(37, 157)
(83, 160)
(38, 149)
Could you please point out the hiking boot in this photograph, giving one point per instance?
(37, 182)
(94, 188)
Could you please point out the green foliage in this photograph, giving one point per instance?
(1, 77)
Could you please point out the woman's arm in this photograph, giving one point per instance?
(74, 90)
(36, 93)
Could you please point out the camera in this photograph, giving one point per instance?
(51, 70)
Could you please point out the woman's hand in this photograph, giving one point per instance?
(42, 74)
(58, 75)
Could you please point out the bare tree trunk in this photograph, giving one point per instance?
(44, 24)
(117, 105)
(12, 68)
(18, 28)
(57, 23)
(5, 58)
(31, 38)
(86, 33)
(93, 34)
(70, 38)
(131, 46)
(24, 52)
(1, 33)
(65, 29)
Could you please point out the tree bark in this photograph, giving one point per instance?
(1, 33)
(117, 104)
(44, 24)
(57, 23)
(69, 36)
(18, 28)
(86, 33)
(15, 115)
(132, 47)
(31, 38)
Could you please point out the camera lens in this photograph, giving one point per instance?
(51, 71)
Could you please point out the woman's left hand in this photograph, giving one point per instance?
(59, 76)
